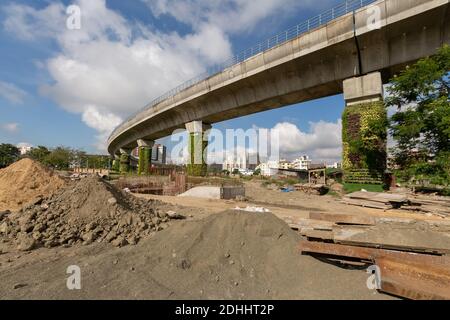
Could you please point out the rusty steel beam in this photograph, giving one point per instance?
(404, 274)
(370, 254)
(413, 280)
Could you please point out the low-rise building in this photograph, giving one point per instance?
(301, 163)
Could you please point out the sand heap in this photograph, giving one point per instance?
(229, 255)
(83, 212)
(25, 181)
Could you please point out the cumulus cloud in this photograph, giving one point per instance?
(111, 67)
(11, 127)
(323, 141)
(12, 93)
(230, 15)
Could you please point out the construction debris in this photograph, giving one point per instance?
(422, 280)
(439, 206)
(252, 209)
(410, 254)
(311, 188)
(229, 255)
(85, 211)
(378, 232)
(408, 275)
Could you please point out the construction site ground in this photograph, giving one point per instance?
(216, 252)
(283, 205)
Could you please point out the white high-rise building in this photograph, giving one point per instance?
(236, 160)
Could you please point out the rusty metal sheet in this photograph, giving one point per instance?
(370, 254)
(414, 280)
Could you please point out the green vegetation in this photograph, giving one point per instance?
(196, 143)
(364, 137)
(144, 160)
(61, 158)
(353, 187)
(40, 153)
(8, 154)
(421, 127)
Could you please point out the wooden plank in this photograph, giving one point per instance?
(407, 239)
(371, 254)
(367, 204)
(378, 197)
(317, 234)
(343, 218)
(413, 280)
(301, 223)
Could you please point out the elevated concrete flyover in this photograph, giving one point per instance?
(310, 66)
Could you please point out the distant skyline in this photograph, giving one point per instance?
(72, 87)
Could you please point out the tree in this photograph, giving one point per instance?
(8, 154)
(39, 153)
(421, 127)
(59, 158)
(257, 172)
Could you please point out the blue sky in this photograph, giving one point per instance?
(66, 87)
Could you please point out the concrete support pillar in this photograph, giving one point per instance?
(364, 130)
(124, 161)
(145, 155)
(198, 142)
(116, 163)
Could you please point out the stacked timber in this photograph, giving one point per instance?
(412, 256)
(375, 200)
(424, 204)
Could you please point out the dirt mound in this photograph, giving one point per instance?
(25, 181)
(83, 212)
(229, 255)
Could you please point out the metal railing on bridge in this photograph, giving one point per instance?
(281, 38)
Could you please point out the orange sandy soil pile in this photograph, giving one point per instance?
(25, 181)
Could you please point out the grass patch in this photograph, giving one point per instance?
(353, 187)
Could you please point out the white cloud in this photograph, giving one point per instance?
(112, 67)
(104, 123)
(11, 127)
(27, 23)
(323, 142)
(230, 15)
(12, 93)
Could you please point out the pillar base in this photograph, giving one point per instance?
(145, 155)
(364, 131)
(124, 161)
(116, 164)
(197, 145)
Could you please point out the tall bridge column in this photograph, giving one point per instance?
(198, 142)
(145, 155)
(124, 160)
(116, 163)
(364, 130)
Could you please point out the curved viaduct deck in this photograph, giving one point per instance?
(310, 66)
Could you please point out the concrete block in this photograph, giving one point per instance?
(365, 88)
(197, 127)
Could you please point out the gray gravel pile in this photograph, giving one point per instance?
(83, 212)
